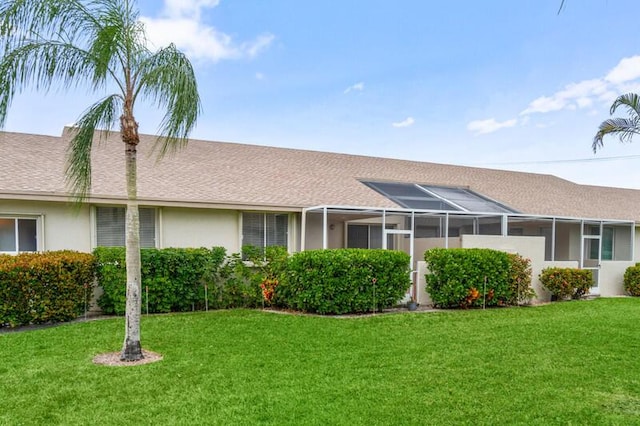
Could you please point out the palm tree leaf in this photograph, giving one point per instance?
(624, 128)
(167, 79)
(100, 116)
(631, 101)
(42, 64)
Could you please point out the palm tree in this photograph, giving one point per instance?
(624, 128)
(101, 44)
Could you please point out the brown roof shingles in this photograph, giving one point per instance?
(238, 174)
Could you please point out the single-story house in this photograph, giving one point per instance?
(228, 194)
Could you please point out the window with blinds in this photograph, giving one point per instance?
(110, 227)
(265, 229)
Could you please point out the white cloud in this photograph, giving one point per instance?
(181, 24)
(187, 8)
(404, 123)
(259, 76)
(358, 86)
(627, 69)
(574, 96)
(480, 127)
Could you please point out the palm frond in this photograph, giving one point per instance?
(167, 79)
(101, 115)
(44, 19)
(624, 128)
(631, 101)
(42, 64)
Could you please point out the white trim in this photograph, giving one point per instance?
(159, 228)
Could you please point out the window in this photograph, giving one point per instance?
(110, 229)
(367, 236)
(265, 229)
(18, 235)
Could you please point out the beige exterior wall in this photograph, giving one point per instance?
(59, 226)
(611, 275)
(420, 245)
(182, 227)
(335, 237)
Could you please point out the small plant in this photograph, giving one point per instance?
(520, 280)
(465, 278)
(632, 280)
(566, 283)
(268, 286)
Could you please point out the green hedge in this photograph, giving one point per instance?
(173, 278)
(632, 280)
(567, 282)
(341, 281)
(464, 278)
(46, 287)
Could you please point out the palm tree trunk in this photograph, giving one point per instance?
(132, 349)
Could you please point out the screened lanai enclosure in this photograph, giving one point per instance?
(433, 216)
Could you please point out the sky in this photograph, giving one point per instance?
(497, 83)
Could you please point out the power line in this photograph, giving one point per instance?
(576, 160)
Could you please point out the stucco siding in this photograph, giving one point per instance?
(60, 227)
(611, 276)
(181, 227)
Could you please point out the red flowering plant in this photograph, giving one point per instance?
(268, 287)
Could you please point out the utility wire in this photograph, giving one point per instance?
(577, 160)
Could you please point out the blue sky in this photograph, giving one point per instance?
(497, 83)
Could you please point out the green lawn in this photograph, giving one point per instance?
(570, 362)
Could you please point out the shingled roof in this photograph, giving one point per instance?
(230, 174)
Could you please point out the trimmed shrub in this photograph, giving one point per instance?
(46, 287)
(340, 281)
(473, 277)
(632, 280)
(520, 280)
(174, 277)
(567, 282)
